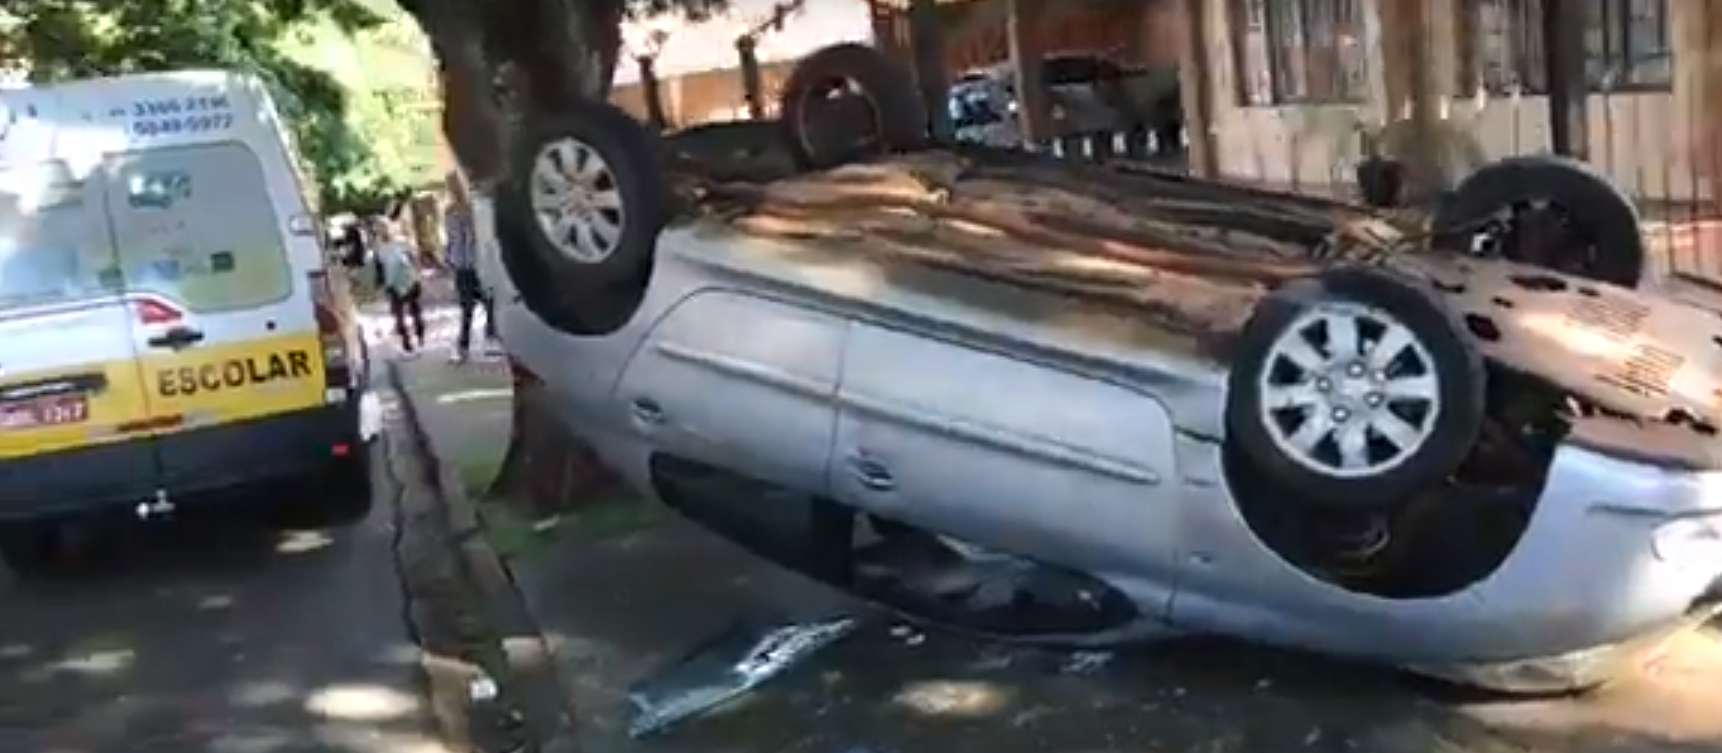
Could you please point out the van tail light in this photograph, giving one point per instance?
(151, 312)
(337, 366)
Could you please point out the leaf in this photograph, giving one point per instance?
(281, 41)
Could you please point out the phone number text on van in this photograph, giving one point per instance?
(171, 115)
(183, 124)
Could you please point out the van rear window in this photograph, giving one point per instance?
(196, 224)
(54, 242)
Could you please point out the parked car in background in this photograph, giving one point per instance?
(1087, 94)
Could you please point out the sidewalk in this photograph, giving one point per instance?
(619, 589)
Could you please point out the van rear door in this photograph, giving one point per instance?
(197, 230)
(69, 375)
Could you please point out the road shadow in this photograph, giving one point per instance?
(617, 608)
(215, 633)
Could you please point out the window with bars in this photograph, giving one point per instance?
(1299, 51)
(1628, 46)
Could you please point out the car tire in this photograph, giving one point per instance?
(1357, 431)
(581, 260)
(1582, 200)
(826, 136)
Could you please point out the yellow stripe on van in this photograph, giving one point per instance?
(236, 382)
(118, 403)
(164, 392)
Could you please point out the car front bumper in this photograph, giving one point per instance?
(1616, 548)
(1625, 540)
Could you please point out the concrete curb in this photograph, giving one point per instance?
(531, 692)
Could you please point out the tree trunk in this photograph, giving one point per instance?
(504, 61)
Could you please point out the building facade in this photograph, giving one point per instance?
(1293, 80)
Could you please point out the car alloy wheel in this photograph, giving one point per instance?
(1349, 391)
(576, 201)
(1354, 389)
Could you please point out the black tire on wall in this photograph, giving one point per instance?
(886, 115)
(1608, 243)
(1355, 363)
(579, 217)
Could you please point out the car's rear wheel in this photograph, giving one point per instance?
(1355, 389)
(579, 219)
(1548, 211)
(849, 101)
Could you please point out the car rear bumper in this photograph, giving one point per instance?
(198, 465)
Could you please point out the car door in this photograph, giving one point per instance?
(68, 373)
(230, 335)
(732, 381)
(1006, 453)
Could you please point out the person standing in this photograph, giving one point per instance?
(398, 276)
(461, 253)
(353, 242)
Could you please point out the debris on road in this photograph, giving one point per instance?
(1085, 662)
(739, 659)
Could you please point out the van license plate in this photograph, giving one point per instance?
(58, 410)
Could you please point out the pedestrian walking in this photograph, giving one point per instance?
(460, 251)
(398, 276)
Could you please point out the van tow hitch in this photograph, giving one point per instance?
(160, 507)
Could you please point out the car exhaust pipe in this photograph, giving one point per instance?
(155, 509)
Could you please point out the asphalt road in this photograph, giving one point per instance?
(215, 636)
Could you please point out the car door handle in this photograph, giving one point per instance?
(871, 474)
(647, 411)
(178, 337)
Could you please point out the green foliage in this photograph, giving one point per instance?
(386, 73)
(331, 117)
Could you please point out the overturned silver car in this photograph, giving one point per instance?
(1081, 405)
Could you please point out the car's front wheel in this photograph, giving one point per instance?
(1355, 389)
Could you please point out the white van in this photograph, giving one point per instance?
(168, 330)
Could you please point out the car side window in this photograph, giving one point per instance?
(54, 244)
